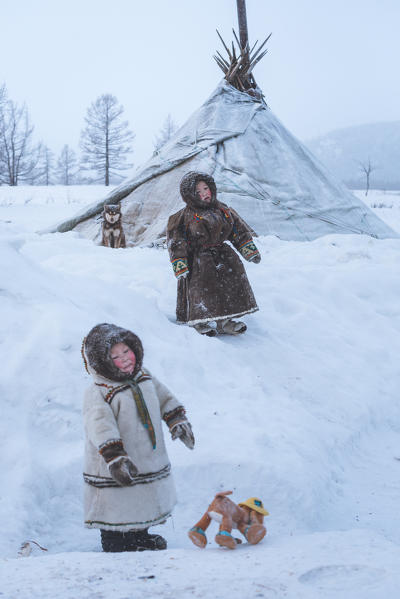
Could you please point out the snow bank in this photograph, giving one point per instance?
(285, 412)
(385, 204)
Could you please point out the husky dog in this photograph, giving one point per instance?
(112, 232)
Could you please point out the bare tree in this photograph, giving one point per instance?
(367, 168)
(48, 166)
(166, 132)
(3, 100)
(3, 97)
(67, 166)
(44, 173)
(18, 156)
(106, 139)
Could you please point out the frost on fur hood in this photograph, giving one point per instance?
(97, 346)
(188, 190)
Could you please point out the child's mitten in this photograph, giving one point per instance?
(250, 252)
(123, 470)
(180, 267)
(183, 431)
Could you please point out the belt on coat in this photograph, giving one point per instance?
(210, 246)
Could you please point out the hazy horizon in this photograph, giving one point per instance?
(328, 65)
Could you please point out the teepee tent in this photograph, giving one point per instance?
(260, 169)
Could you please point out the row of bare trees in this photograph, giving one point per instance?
(106, 146)
(18, 155)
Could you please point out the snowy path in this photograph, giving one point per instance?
(303, 410)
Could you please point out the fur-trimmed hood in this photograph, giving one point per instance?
(97, 346)
(188, 190)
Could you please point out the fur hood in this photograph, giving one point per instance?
(97, 346)
(188, 190)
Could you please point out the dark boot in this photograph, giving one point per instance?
(115, 541)
(144, 540)
(133, 540)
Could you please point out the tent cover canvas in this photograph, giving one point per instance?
(260, 169)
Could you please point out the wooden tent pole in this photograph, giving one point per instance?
(238, 67)
(242, 19)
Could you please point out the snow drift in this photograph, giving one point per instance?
(302, 411)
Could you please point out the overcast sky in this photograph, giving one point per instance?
(331, 63)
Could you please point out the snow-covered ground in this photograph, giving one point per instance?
(302, 411)
(34, 207)
(386, 204)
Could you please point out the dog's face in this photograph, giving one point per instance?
(112, 213)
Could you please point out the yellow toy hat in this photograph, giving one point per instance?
(255, 504)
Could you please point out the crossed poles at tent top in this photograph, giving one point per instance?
(240, 63)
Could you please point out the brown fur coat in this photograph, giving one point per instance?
(217, 286)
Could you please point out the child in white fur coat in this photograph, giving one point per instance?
(128, 479)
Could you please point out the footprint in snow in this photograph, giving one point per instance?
(341, 577)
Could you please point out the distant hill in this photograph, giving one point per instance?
(343, 149)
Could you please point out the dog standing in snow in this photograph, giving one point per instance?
(247, 517)
(112, 232)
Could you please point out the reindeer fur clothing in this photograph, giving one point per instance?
(216, 286)
(113, 428)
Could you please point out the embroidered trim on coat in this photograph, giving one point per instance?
(210, 318)
(248, 249)
(111, 449)
(141, 377)
(144, 376)
(180, 266)
(118, 525)
(111, 394)
(175, 416)
(109, 443)
(140, 479)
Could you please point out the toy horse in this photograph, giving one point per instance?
(247, 517)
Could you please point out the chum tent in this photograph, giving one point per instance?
(261, 170)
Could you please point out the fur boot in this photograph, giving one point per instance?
(204, 328)
(230, 327)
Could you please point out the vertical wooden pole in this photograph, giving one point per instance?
(242, 18)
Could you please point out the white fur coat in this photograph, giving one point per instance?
(111, 414)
